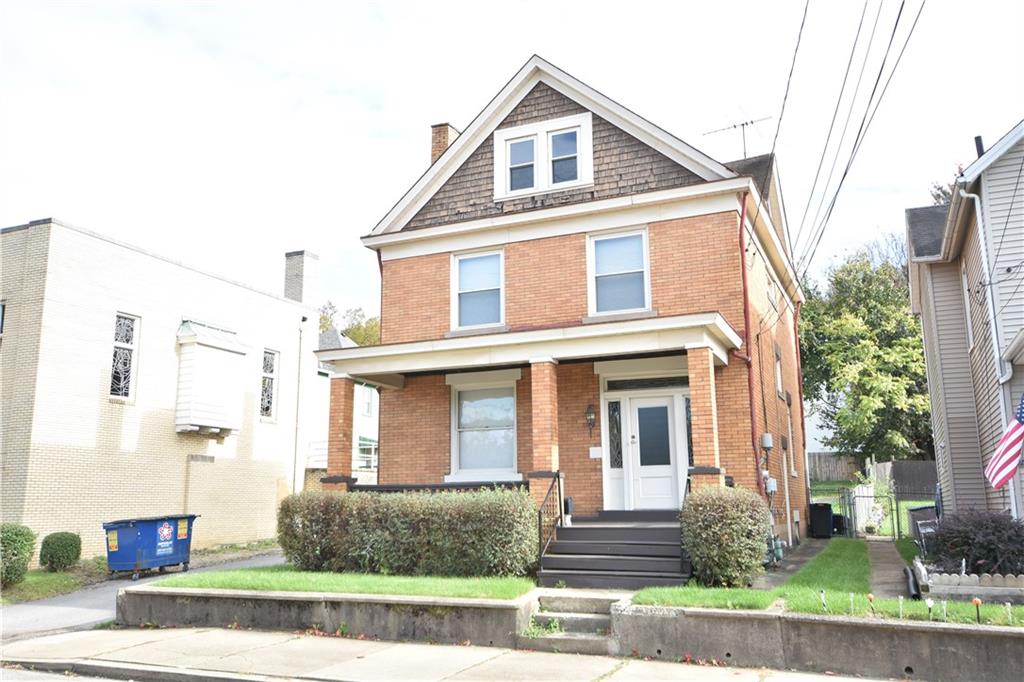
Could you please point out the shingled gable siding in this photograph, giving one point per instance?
(622, 166)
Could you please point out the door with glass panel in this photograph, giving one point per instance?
(652, 445)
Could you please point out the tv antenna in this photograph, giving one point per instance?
(743, 130)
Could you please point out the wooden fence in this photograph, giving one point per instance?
(828, 466)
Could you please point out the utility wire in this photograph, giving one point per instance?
(1009, 212)
(846, 125)
(866, 124)
(831, 125)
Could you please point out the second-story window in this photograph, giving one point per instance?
(619, 278)
(477, 290)
(268, 385)
(122, 369)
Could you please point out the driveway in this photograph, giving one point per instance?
(91, 605)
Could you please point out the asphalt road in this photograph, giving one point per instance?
(89, 606)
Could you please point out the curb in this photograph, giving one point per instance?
(131, 671)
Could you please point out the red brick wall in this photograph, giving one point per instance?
(578, 387)
(415, 431)
(414, 298)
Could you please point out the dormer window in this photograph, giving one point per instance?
(543, 157)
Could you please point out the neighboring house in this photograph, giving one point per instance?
(136, 386)
(967, 284)
(366, 408)
(571, 288)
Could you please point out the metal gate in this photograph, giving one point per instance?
(882, 514)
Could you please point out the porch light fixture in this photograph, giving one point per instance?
(591, 418)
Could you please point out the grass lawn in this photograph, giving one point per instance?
(828, 491)
(288, 579)
(907, 549)
(40, 583)
(904, 507)
(841, 569)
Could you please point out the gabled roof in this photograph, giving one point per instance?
(538, 70)
(925, 228)
(972, 172)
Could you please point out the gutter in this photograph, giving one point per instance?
(746, 342)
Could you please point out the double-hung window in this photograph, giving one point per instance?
(268, 384)
(543, 157)
(125, 359)
(485, 427)
(477, 290)
(619, 277)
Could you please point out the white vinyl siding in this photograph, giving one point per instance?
(1006, 225)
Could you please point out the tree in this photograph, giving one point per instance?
(941, 194)
(362, 329)
(327, 313)
(863, 357)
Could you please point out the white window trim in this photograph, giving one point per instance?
(275, 392)
(368, 392)
(541, 133)
(592, 272)
(468, 382)
(780, 388)
(134, 346)
(454, 289)
(966, 287)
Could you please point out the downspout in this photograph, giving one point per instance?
(298, 403)
(803, 417)
(748, 358)
(1002, 377)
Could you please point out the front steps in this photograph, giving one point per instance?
(573, 622)
(617, 550)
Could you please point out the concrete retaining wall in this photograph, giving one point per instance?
(486, 622)
(939, 652)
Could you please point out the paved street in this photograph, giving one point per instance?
(89, 606)
(145, 654)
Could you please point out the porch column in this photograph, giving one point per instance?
(339, 431)
(704, 419)
(544, 421)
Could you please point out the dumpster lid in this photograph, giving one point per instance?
(125, 522)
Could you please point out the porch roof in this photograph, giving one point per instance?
(386, 364)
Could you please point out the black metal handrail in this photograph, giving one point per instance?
(549, 514)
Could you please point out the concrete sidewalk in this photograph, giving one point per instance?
(214, 654)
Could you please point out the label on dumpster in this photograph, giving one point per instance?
(112, 540)
(164, 541)
(182, 529)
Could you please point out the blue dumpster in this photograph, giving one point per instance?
(154, 542)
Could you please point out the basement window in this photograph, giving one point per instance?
(543, 157)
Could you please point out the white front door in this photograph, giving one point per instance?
(653, 453)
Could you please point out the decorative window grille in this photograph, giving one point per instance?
(122, 369)
(268, 388)
(689, 431)
(614, 434)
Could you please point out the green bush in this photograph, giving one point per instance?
(60, 550)
(725, 531)
(16, 546)
(479, 533)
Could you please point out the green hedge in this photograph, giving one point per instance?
(16, 546)
(725, 532)
(479, 533)
(60, 550)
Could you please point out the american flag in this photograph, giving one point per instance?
(1003, 465)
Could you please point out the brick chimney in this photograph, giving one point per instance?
(302, 277)
(441, 137)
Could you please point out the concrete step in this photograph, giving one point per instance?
(594, 623)
(605, 562)
(668, 549)
(569, 601)
(618, 532)
(608, 579)
(670, 515)
(570, 643)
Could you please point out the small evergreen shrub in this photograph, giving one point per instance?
(991, 542)
(60, 550)
(478, 533)
(16, 546)
(725, 532)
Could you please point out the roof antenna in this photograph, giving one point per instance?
(743, 130)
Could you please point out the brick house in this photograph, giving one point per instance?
(570, 288)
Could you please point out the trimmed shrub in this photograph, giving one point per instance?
(479, 533)
(60, 550)
(990, 542)
(725, 532)
(16, 546)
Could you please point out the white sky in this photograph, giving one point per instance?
(226, 133)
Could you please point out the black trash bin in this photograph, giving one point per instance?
(821, 520)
